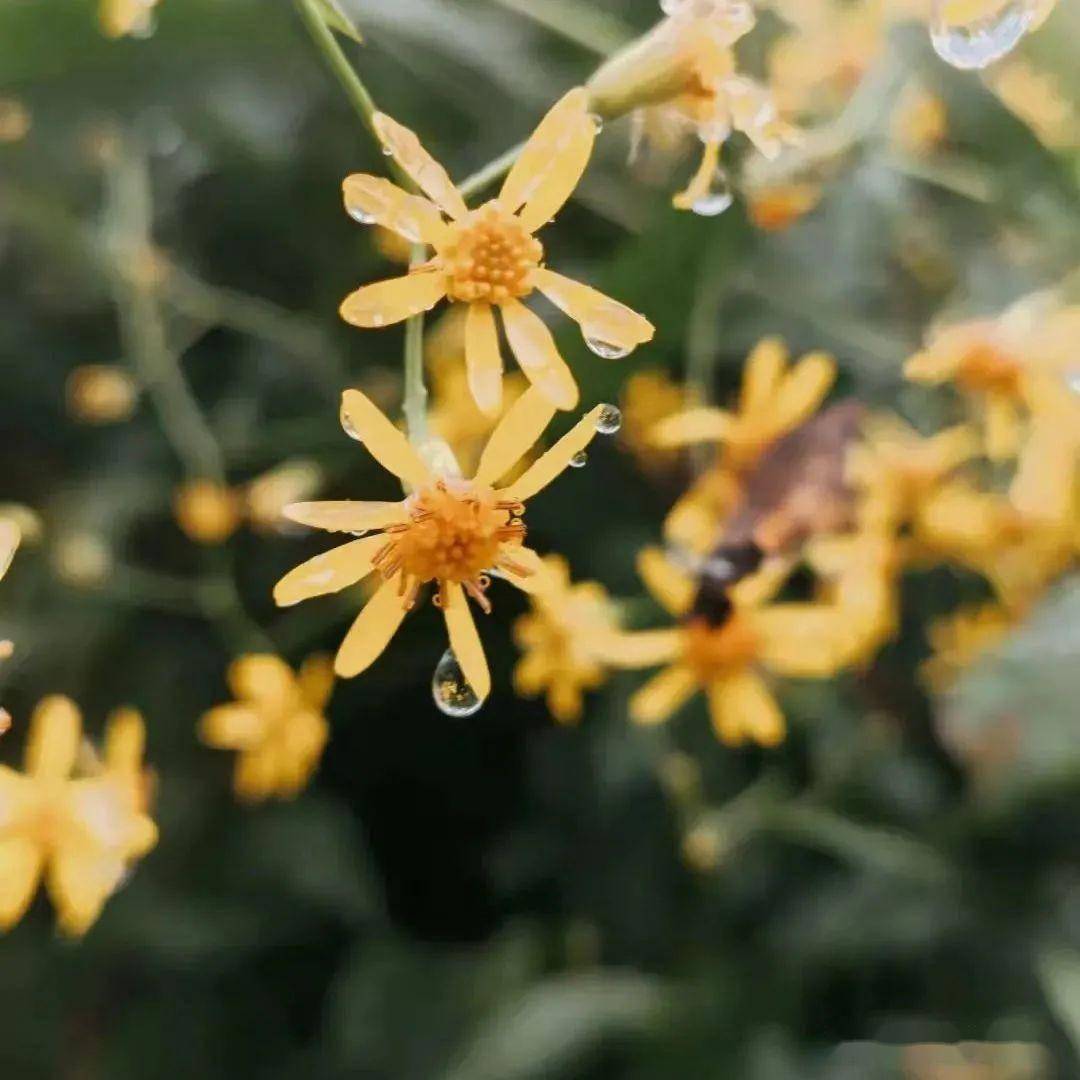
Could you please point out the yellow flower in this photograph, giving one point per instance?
(895, 469)
(78, 834)
(489, 259)
(962, 638)
(728, 657)
(1035, 97)
(123, 17)
(100, 394)
(267, 495)
(207, 512)
(450, 531)
(773, 401)
(648, 397)
(276, 724)
(556, 640)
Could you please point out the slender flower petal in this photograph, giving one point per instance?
(537, 354)
(642, 648)
(428, 175)
(21, 861)
(703, 424)
(392, 301)
(762, 375)
(741, 707)
(54, 738)
(465, 642)
(514, 435)
(550, 464)
(9, 541)
(483, 359)
(665, 693)
(363, 420)
(671, 587)
(538, 579)
(232, 727)
(80, 881)
(601, 318)
(260, 677)
(381, 202)
(801, 391)
(371, 632)
(329, 572)
(346, 515)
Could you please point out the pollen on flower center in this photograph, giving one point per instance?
(985, 368)
(457, 531)
(711, 650)
(490, 255)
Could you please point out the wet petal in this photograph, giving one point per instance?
(514, 435)
(391, 301)
(550, 464)
(346, 515)
(741, 706)
(761, 377)
(664, 694)
(551, 163)
(388, 446)
(428, 175)
(329, 572)
(465, 641)
(672, 588)
(693, 426)
(371, 632)
(262, 677)
(384, 203)
(600, 317)
(54, 738)
(20, 871)
(483, 358)
(232, 727)
(535, 350)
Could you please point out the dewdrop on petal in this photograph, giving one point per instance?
(974, 33)
(451, 690)
(610, 420)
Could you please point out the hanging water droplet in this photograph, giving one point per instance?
(977, 42)
(387, 152)
(347, 426)
(360, 215)
(670, 7)
(609, 421)
(717, 198)
(579, 460)
(452, 693)
(597, 122)
(607, 349)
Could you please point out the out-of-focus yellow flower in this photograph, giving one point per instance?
(1035, 97)
(78, 834)
(920, 121)
(958, 640)
(450, 532)
(976, 1061)
(774, 400)
(15, 120)
(207, 512)
(728, 661)
(702, 847)
(693, 524)
(556, 639)
(895, 469)
(82, 559)
(121, 18)
(100, 394)
(276, 724)
(266, 496)
(777, 207)
(489, 258)
(648, 397)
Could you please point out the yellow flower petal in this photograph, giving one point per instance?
(9, 541)
(232, 727)
(665, 693)
(704, 424)
(551, 162)
(483, 358)
(514, 435)
(20, 870)
(550, 464)
(80, 881)
(346, 515)
(804, 640)
(383, 203)
(54, 738)
(535, 350)
(637, 649)
(316, 679)
(371, 632)
(541, 578)
(428, 175)
(262, 677)
(932, 365)
(255, 775)
(366, 422)
(802, 391)
(1002, 427)
(762, 374)
(601, 318)
(329, 572)
(672, 588)
(391, 301)
(465, 641)
(741, 706)
(125, 740)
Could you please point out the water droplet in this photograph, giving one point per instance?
(608, 350)
(579, 460)
(360, 215)
(347, 426)
(978, 42)
(718, 197)
(378, 319)
(670, 7)
(387, 152)
(597, 122)
(452, 693)
(1072, 380)
(609, 421)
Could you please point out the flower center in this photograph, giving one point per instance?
(457, 531)
(986, 369)
(712, 650)
(489, 256)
